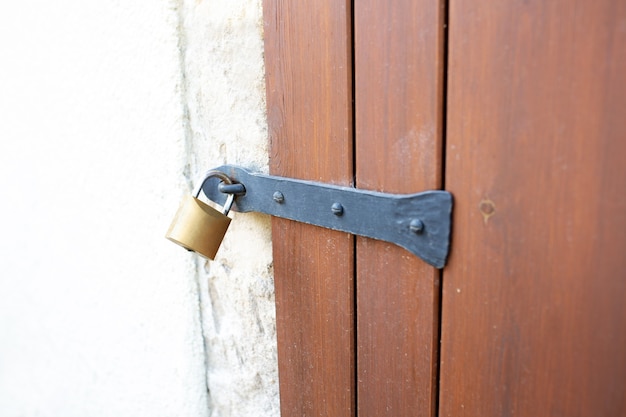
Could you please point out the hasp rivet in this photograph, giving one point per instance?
(278, 197)
(337, 209)
(416, 226)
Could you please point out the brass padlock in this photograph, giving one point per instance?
(199, 227)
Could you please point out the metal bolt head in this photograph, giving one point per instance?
(278, 197)
(416, 226)
(337, 209)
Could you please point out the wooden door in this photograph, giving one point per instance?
(399, 75)
(519, 109)
(534, 310)
(357, 322)
(309, 103)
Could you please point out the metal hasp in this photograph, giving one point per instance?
(420, 222)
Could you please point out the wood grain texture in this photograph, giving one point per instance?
(309, 101)
(399, 109)
(534, 318)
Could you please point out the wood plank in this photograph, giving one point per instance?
(398, 89)
(533, 302)
(309, 101)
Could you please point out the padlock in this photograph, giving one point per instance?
(199, 227)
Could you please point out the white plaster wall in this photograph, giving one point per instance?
(108, 110)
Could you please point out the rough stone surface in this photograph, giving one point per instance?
(109, 110)
(224, 97)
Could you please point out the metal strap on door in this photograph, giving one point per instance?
(419, 222)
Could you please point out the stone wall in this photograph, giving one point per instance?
(110, 112)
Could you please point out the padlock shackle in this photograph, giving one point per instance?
(213, 173)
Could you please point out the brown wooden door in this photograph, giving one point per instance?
(398, 145)
(309, 104)
(534, 307)
(519, 109)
